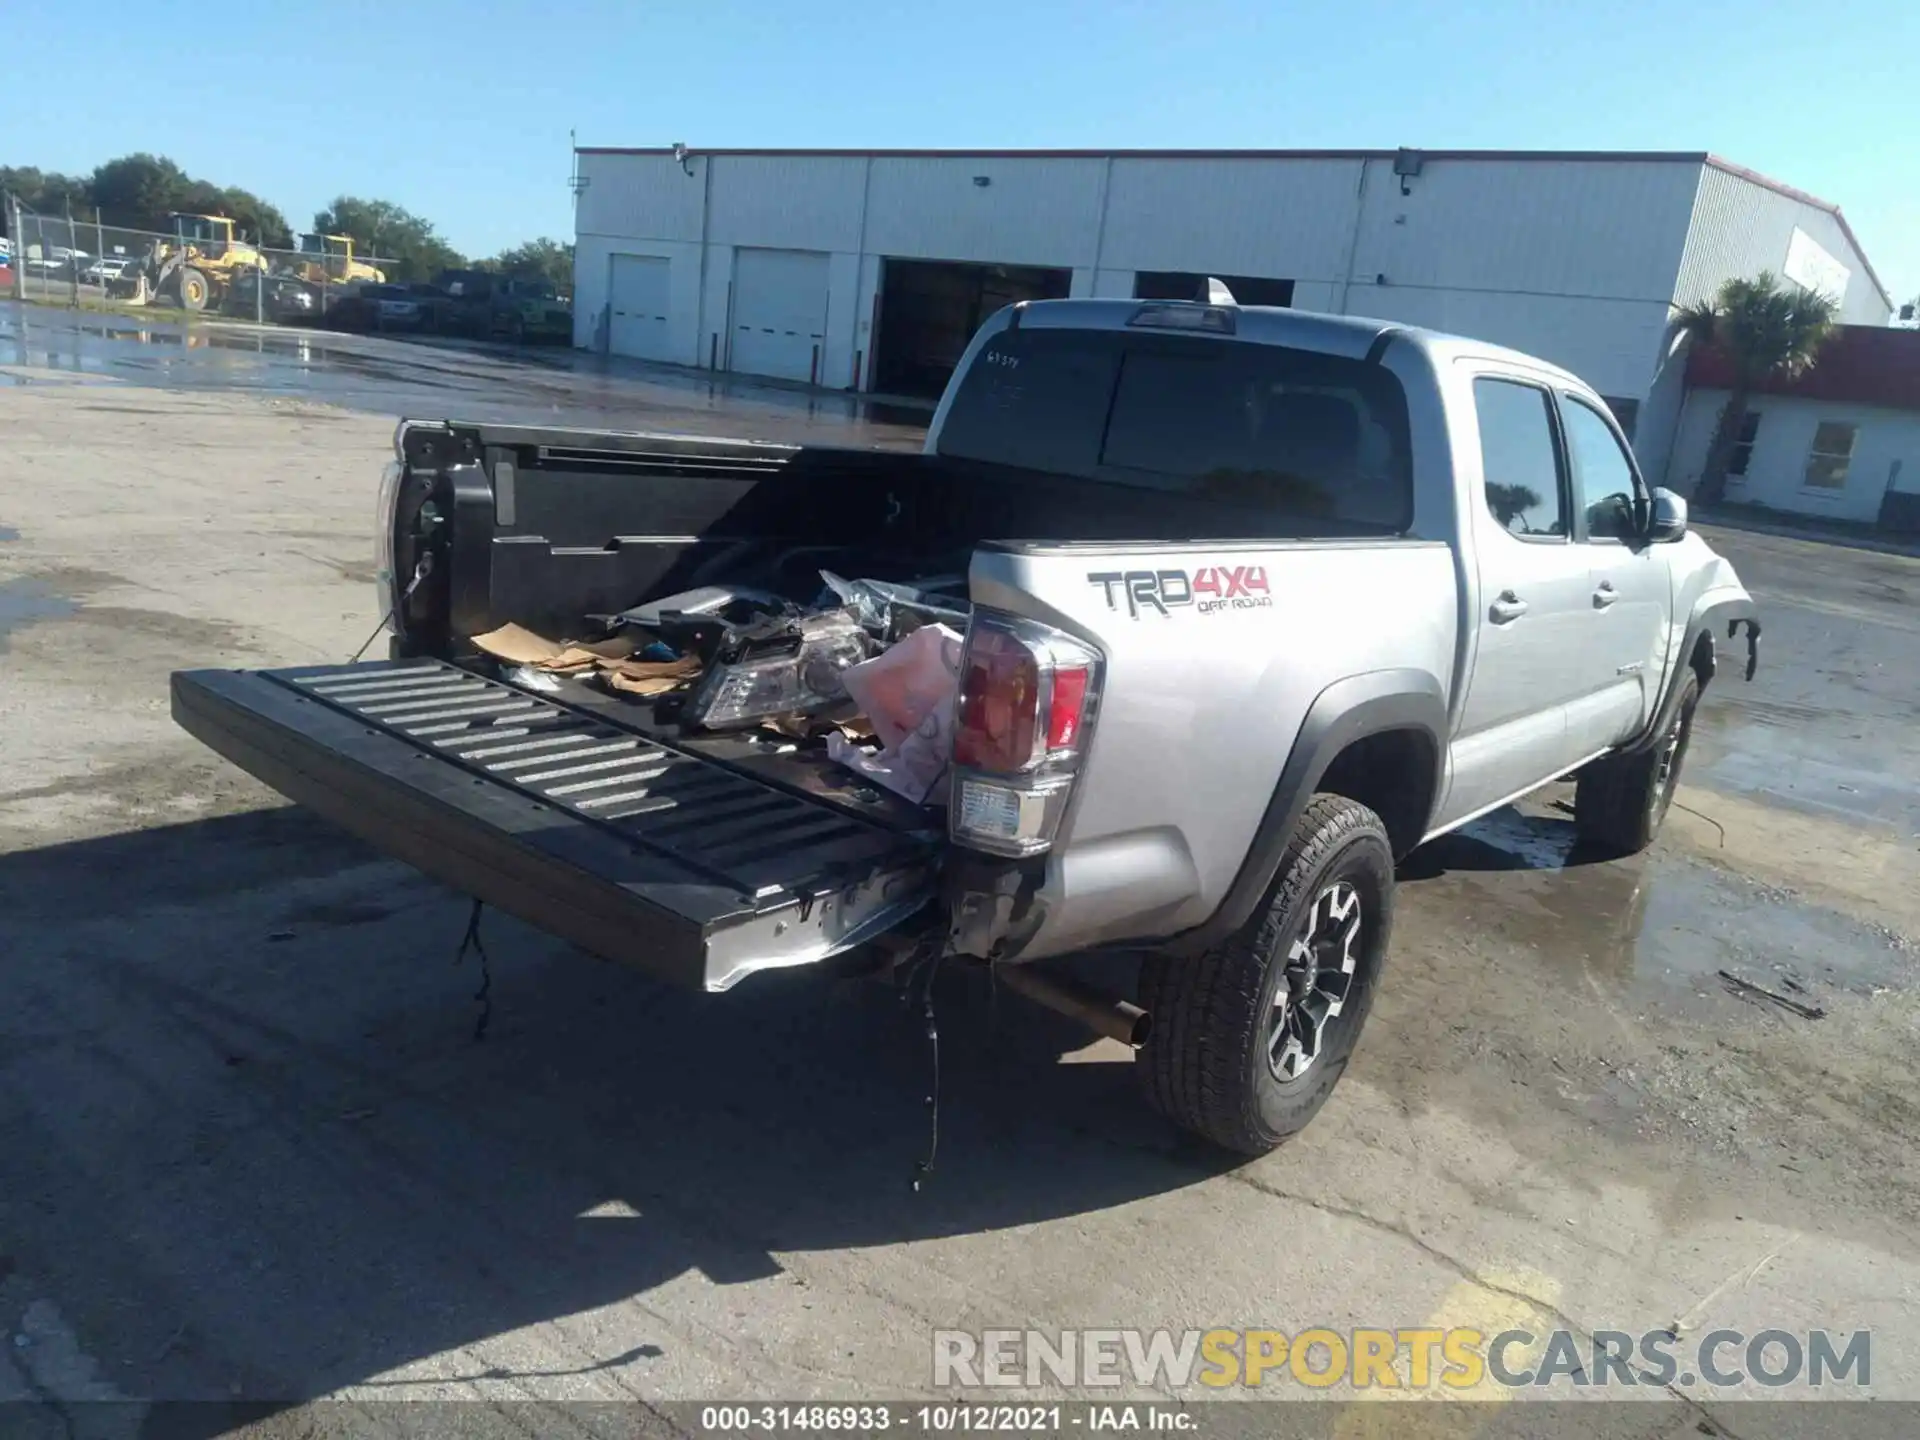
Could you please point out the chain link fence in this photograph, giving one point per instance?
(208, 266)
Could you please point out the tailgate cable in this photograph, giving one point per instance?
(471, 940)
(420, 572)
(923, 1168)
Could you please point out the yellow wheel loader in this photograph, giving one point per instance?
(328, 260)
(197, 266)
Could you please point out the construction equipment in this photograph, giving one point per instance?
(196, 267)
(328, 260)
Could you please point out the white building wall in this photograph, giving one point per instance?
(1576, 260)
(1042, 211)
(593, 269)
(1596, 229)
(642, 205)
(1611, 344)
(1886, 450)
(781, 204)
(1741, 227)
(1279, 218)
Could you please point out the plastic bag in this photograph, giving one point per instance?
(892, 611)
(907, 695)
(898, 689)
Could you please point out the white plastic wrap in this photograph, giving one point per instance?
(907, 694)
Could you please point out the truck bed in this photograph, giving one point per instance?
(633, 849)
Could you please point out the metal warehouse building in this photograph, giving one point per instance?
(870, 270)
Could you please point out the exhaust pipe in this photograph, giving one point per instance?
(1120, 1020)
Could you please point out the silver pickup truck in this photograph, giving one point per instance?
(1257, 602)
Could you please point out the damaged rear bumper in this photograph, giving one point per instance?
(631, 850)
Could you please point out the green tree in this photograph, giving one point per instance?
(403, 244)
(44, 192)
(139, 190)
(1766, 331)
(543, 259)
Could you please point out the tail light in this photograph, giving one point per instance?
(1025, 708)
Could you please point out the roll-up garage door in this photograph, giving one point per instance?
(779, 313)
(637, 292)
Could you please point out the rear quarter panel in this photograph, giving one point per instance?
(1201, 702)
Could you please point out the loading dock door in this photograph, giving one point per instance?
(929, 310)
(779, 313)
(637, 291)
(1191, 285)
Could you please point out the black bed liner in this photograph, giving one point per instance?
(629, 848)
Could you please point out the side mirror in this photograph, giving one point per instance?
(1667, 520)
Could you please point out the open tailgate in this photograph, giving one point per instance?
(628, 848)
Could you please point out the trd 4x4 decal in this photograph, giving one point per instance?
(1210, 590)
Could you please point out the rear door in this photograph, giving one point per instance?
(1629, 595)
(1528, 671)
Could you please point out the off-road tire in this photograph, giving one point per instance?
(193, 288)
(1620, 801)
(1205, 1065)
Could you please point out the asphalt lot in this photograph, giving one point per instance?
(249, 1149)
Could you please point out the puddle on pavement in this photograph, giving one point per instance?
(7, 532)
(26, 602)
(1657, 927)
(388, 375)
(1763, 749)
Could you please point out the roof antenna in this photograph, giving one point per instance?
(1217, 293)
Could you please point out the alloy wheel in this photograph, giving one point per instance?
(1315, 982)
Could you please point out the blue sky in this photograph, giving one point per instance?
(461, 111)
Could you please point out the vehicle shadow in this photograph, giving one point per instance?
(247, 1132)
(1510, 838)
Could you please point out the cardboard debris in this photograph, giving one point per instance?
(520, 646)
(673, 671)
(640, 677)
(517, 645)
(808, 727)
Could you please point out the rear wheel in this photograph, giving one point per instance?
(1619, 801)
(1250, 1038)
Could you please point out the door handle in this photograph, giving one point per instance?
(1605, 595)
(1508, 607)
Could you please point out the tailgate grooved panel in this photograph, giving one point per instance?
(679, 788)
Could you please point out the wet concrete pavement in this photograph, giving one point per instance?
(248, 1147)
(442, 379)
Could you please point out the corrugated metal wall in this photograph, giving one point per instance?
(1288, 219)
(647, 196)
(1572, 259)
(1605, 230)
(1030, 212)
(763, 200)
(1741, 228)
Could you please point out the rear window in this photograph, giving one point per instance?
(1315, 440)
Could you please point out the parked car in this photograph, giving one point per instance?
(1433, 579)
(376, 307)
(286, 298)
(107, 270)
(490, 306)
(55, 259)
(528, 312)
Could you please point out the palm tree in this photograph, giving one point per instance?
(1767, 331)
